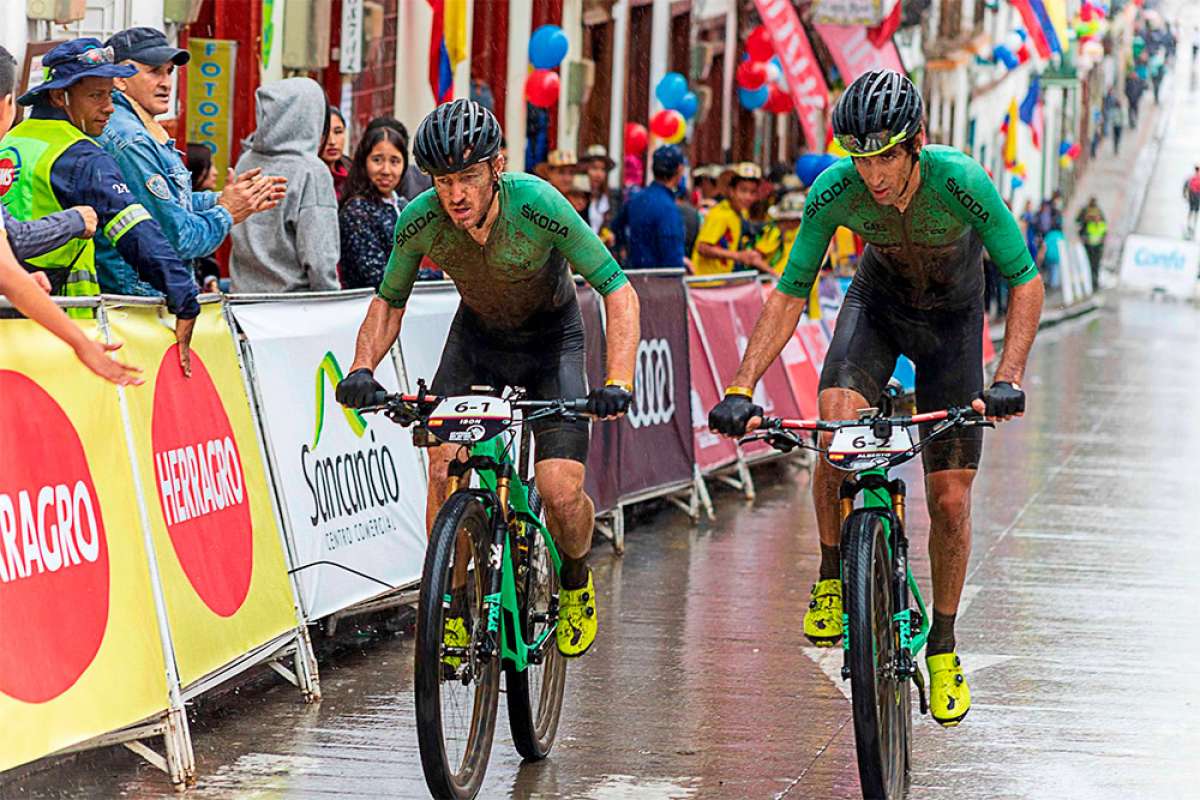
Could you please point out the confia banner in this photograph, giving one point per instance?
(656, 447)
(352, 485)
(80, 652)
(219, 549)
(805, 80)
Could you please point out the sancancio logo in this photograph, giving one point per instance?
(10, 169)
(343, 484)
(201, 485)
(54, 578)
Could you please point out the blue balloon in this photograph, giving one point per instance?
(1005, 56)
(688, 105)
(547, 47)
(753, 99)
(810, 165)
(671, 89)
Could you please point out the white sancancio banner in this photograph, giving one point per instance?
(1152, 262)
(352, 486)
(427, 319)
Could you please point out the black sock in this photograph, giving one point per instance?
(831, 562)
(574, 573)
(941, 637)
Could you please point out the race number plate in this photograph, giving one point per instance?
(857, 448)
(469, 419)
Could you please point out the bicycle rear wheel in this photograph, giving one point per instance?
(879, 696)
(456, 691)
(535, 694)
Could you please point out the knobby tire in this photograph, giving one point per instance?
(461, 513)
(879, 698)
(535, 694)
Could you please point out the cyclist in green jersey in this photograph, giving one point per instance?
(506, 240)
(926, 213)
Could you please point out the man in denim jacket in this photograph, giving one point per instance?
(195, 223)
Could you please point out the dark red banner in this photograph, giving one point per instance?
(602, 469)
(712, 450)
(656, 447)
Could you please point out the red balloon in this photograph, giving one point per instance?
(759, 46)
(541, 88)
(751, 75)
(778, 101)
(636, 138)
(666, 123)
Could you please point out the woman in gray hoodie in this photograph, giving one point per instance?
(293, 247)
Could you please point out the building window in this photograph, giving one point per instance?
(102, 19)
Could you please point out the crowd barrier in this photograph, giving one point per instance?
(233, 508)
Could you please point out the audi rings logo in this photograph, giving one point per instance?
(654, 385)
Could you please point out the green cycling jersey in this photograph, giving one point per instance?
(521, 270)
(929, 256)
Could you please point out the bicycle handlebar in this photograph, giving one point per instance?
(964, 413)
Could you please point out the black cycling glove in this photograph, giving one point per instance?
(1004, 399)
(609, 401)
(731, 415)
(359, 389)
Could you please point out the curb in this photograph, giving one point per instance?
(1055, 316)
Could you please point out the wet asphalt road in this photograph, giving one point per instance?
(1079, 627)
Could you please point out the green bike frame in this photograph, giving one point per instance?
(877, 496)
(501, 607)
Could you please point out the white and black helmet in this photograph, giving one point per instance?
(454, 136)
(877, 111)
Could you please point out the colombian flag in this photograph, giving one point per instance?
(447, 45)
(1010, 135)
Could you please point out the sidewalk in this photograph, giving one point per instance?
(1119, 183)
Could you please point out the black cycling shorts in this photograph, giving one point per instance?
(946, 346)
(545, 357)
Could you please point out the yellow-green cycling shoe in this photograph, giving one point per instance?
(454, 634)
(949, 695)
(823, 620)
(577, 621)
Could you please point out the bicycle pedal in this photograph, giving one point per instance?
(922, 701)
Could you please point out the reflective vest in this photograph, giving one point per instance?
(27, 154)
(1094, 231)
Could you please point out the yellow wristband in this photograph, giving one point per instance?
(744, 391)
(623, 384)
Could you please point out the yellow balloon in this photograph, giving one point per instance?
(679, 134)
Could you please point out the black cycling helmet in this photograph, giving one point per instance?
(877, 111)
(454, 136)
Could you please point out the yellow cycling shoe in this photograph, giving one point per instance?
(577, 622)
(949, 695)
(823, 620)
(454, 634)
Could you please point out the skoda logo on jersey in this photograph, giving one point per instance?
(654, 385)
(967, 201)
(817, 202)
(544, 221)
(414, 227)
(10, 169)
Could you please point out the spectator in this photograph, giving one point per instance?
(603, 202)
(1191, 192)
(1158, 68)
(1053, 251)
(690, 216)
(1120, 119)
(196, 223)
(579, 193)
(705, 178)
(649, 221)
(370, 207)
(559, 168)
(63, 167)
(39, 236)
(294, 246)
(724, 239)
(994, 287)
(333, 149)
(204, 179)
(1134, 87)
(414, 181)
(779, 234)
(1093, 228)
(635, 172)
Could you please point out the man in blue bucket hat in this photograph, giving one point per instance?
(58, 164)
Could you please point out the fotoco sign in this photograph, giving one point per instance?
(201, 487)
(1155, 263)
(210, 98)
(54, 580)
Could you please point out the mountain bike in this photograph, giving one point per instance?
(883, 633)
(489, 589)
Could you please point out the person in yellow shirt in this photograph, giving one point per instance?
(723, 244)
(777, 239)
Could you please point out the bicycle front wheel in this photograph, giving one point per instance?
(879, 696)
(535, 694)
(456, 689)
